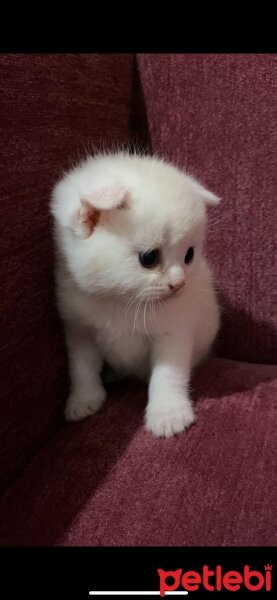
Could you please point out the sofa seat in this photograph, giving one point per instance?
(106, 481)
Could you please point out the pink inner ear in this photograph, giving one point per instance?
(88, 216)
(108, 198)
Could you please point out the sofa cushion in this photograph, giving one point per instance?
(105, 481)
(215, 115)
(53, 108)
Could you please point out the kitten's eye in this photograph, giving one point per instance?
(149, 259)
(189, 255)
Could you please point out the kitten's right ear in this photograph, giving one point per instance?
(207, 196)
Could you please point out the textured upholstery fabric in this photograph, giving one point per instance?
(107, 482)
(52, 108)
(216, 115)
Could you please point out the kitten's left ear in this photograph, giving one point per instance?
(207, 196)
(107, 198)
(92, 205)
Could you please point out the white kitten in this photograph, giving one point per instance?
(133, 287)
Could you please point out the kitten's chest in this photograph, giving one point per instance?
(123, 347)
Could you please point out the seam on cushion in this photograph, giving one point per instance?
(138, 122)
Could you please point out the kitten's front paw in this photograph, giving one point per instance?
(167, 420)
(79, 407)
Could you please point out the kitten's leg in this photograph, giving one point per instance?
(169, 409)
(87, 392)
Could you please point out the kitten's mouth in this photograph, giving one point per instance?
(172, 295)
(158, 297)
(168, 295)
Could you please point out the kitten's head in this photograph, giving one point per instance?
(130, 226)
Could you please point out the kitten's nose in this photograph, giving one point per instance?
(174, 287)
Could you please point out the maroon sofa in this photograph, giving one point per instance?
(105, 481)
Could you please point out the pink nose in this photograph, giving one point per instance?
(176, 286)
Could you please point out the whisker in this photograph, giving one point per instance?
(128, 307)
(144, 321)
(137, 314)
(152, 312)
(155, 314)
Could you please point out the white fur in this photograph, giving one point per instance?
(118, 312)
